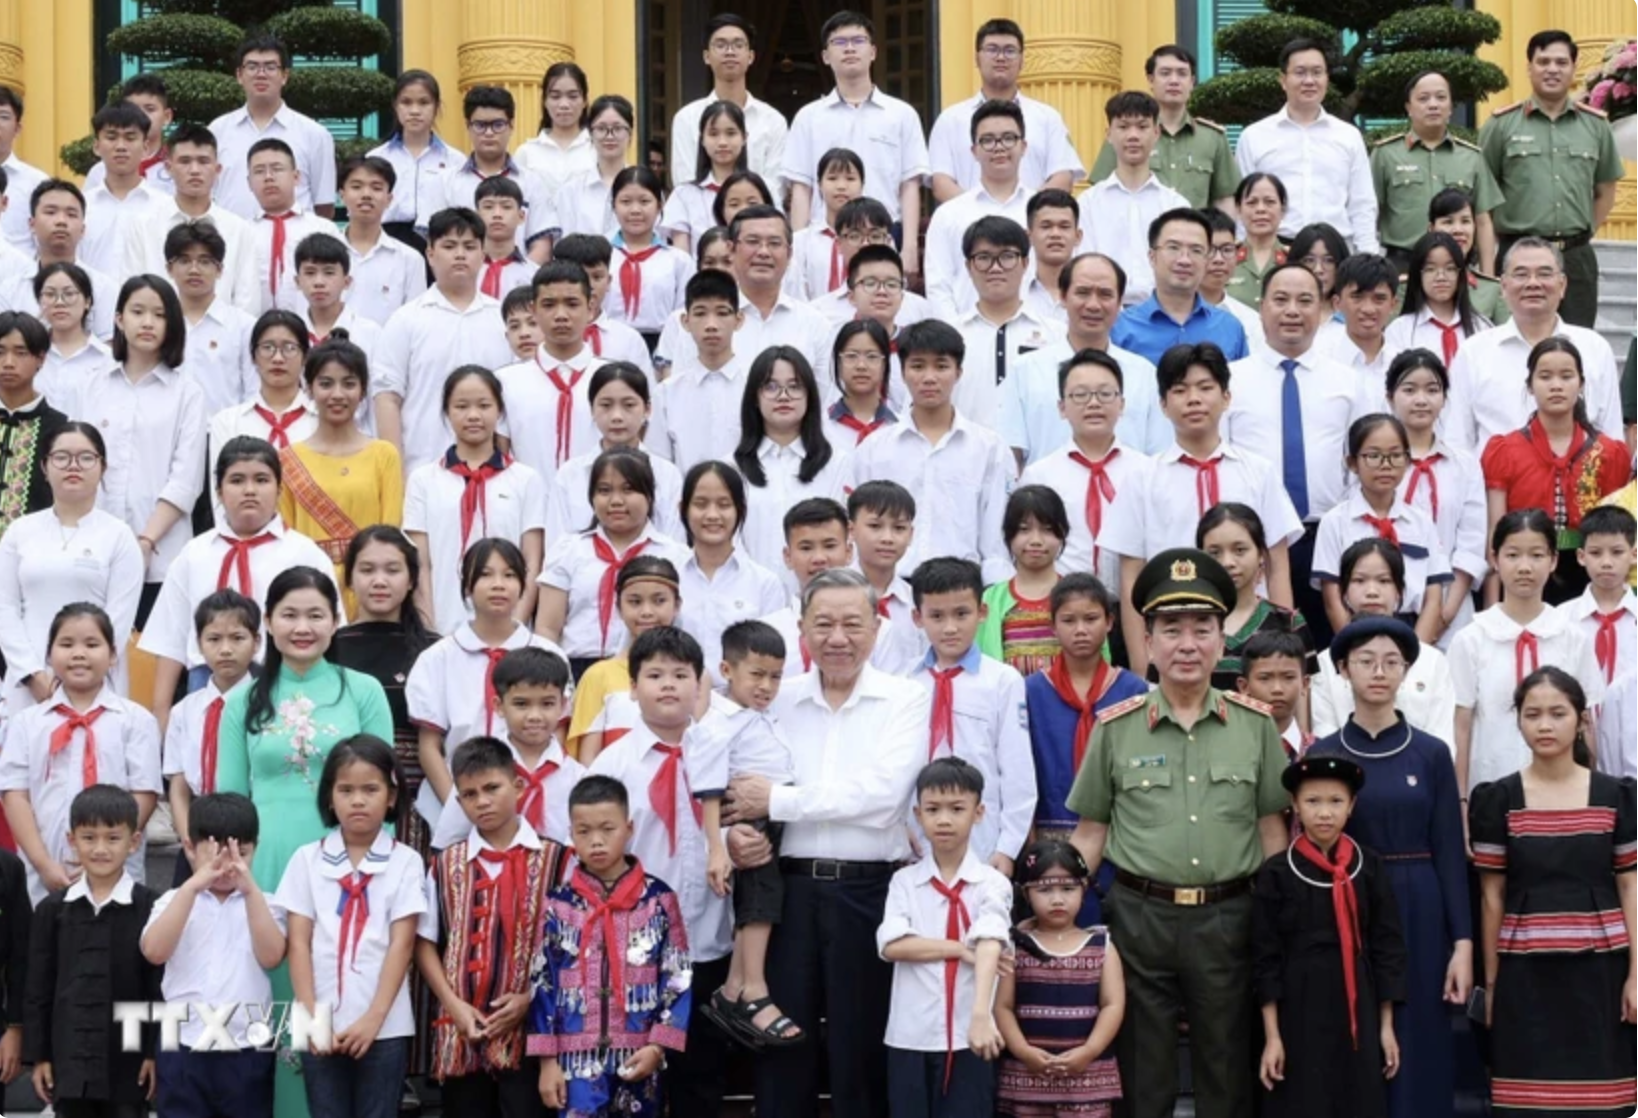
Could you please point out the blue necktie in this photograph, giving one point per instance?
(1296, 461)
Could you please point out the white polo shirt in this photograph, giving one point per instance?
(688, 209)
(1426, 563)
(900, 643)
(615, 341)
(60, 378)
(765, 138)
(314, 147)
(386, 277)
(1489, 393)
(1421, 331)
(422, 343)
(418, 191)
(739, 590)
(1452, 495)
(1164, 515)
(1115, 221)
(585, 205)
(994, 352)
(1029, 403)
(108, 216)
(554, 163)
(948, 285)
(1050, 150)
(1127, 470)
(313, 887)
(239, 282)
(214, 963)
(791, 323)
(185, 733)
(665, 277)
(1583, 611)
(1325, 169)
(815, 259)
(568, 506)
(532, 403)
(245, 419)
(573, 567)
(883, 131)
(219, 359)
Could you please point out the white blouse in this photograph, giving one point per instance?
(763, 532)
(739, 590)
(572, 566)
(568, 508)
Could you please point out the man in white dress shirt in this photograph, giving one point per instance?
(123, 198)
(1321, 159)
(21, 178)
(1117, 212)
(1489, 393)
(858, 738)
(1367, 291)
(262, 71)
(1051, 161)
(56, 223)
(730, 52)
(998, 145)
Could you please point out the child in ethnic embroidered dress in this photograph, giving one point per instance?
(601, 1018)
(486, 896)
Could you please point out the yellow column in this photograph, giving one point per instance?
(605, 44)
(40, 43)
(1074, 62)
(11, 45)
(510, 43)
(429, 34)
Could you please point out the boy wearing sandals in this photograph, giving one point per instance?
(739, 738)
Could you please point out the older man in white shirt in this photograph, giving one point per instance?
(858, 738)
(730, 52)
(1321, 160)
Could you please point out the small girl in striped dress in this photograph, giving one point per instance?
(1060, 1009)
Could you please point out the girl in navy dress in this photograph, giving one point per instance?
(1409, 814)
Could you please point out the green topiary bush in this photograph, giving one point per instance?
(337, 91)
(77, 155)
(1444, 29)
(1382, 80)
(1242, 96)
(202, 41)
(1257, 42)
(331, 33)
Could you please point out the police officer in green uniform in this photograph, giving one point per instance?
(1410, 168)
(1192, 156)
(1557, 165)
(1180, 788)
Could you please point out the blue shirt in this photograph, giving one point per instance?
(1148, 330)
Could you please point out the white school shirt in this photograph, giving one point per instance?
(1333, 341)
(197, 574)
(123, 893)
(386, 277)
(634, 761)
(1421, 331)
(430, 924)
(585, 204)
(855, 767)
(1050, 150)
(554, 163)
(312, 887)
(453, 825)
(516, 271)
(1325, 169)
(448, 691)
(18, 294)
(418, 192)
(1128, 472)
(285, 296)
(108, 216)
(539, 216)
(990, 731)
(573, 567)
(514, 504)
(948, 285)
(900, 642)
(1171, 499)
(960, 485)
(244, 419)
(569, 510)
(1044, 301)
(21, 179)
(732, 740)
(532, 403)
(688, 209)
(44, 567)
(1426, 563)
(185, 733)
(1582, 611)
(60, 377)
(739, 590)
(615, 341)
(144, 252)
(765, 138)
(312, 143)
(994, 351)
(422, 343)
(1332, 396)
(1617, 739)
(1489, 394)
(665, 278)
(915, 1020)
(696, 412)
(127, 739)
(1485, 667)
(1029, 403)
(791, 323)
(836, 308)
(814, 257)
(156, 174)
(214, 964)
(883, 131)
(155, 431)
(763, 533)
(787, 622)
(218, 357)
(1115, 221)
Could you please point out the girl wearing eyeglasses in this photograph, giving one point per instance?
(1438, 313)
(71, 551)
(65, 296)
(584, 204)
(280, 412)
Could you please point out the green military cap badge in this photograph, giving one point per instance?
(1183, 580)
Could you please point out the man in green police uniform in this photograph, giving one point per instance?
(1410, 168)
(1192, 156)
(1181, 788)
(1556, 161)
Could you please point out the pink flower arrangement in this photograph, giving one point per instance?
(1611, 88)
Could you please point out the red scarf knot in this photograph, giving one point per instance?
(236, 562)
(854, 423)
(1449, 338)
(279, 424)
(662, 791)
(612, 565)
(64, 734)
(1526, 647)
(1098, 490)
(1206, 487)
(631, 278)
(475, 496)
(506, 890)
(532, 804)
(213, 733)
(490, 285)
(1384, 527)
(354, 910)
(942, 729)
(1608, 641)
(1058, 676)
(1345, 906)
(1423, 468)
(956, 923)
(600, 921)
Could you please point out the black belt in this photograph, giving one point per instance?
(832, 869)
(1409, 856)
(1562, 243)
(1188, 896)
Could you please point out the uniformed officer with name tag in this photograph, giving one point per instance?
(1180, 789)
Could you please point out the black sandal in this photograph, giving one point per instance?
(773, 1034)
(724, 1014)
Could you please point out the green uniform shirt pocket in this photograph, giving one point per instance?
(1146, 797)
(1233, 791)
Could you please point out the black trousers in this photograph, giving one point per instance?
(1307, 597)
(214, 1084)
(823, 965)
(916, 1087)
(98, 1108)
(508, 1094)
(694, 1078)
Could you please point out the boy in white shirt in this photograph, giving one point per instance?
(216, 936)
(56, 221)
(149, 93)
(1116, 213)
(696, 408)
(499, 201)
(998, 147)
(218, 348)
(1053, 219)
(324, 277)
(262, 71)
(947, 912)
(548, 412)
(882, 523)
(862, 223)
(1607, 611)
(818, 261)
(999, 330)
(280, 227)
(875, 289)
(609, 338)
(957, 471)
(453, 324)
(1274, 671)
(489, 112)
(522, 331)
(979, 713)
(123, 197)
(386, 272)
(21, 178)
(1367, 292)
(816, 539)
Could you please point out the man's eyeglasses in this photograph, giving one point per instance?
(1004, 141)
(488, 127)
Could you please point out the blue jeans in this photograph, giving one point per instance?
(341, 1087)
